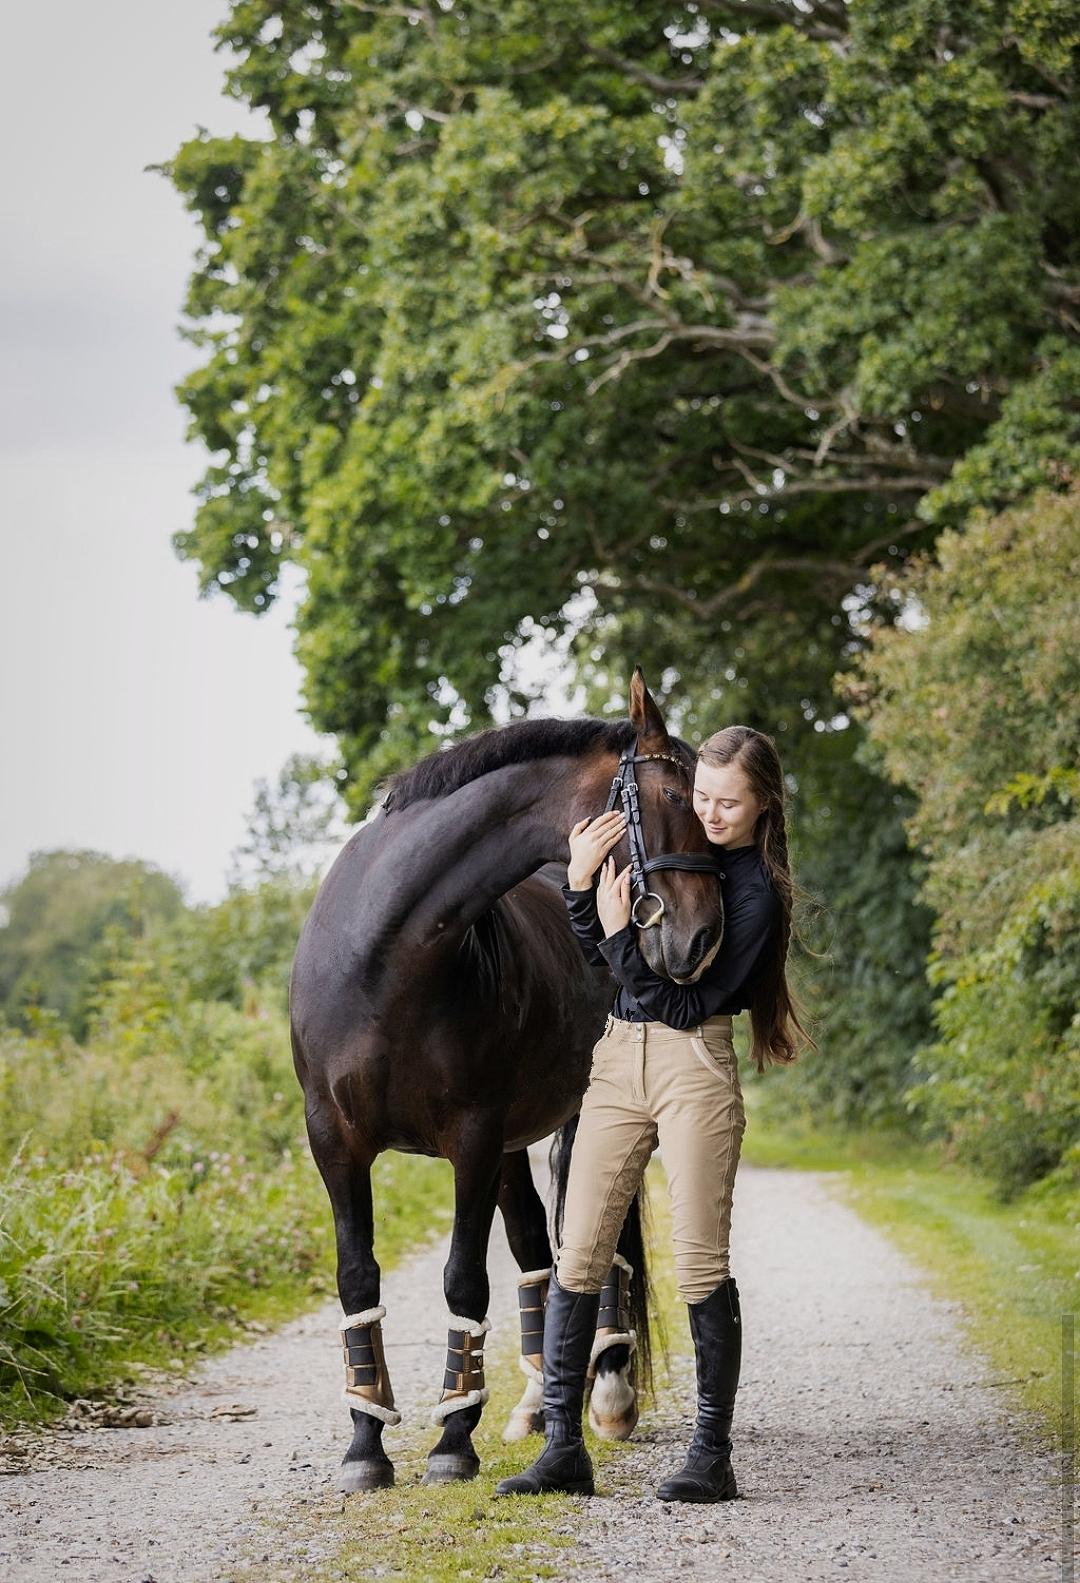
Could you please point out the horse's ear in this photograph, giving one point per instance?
(645, 714)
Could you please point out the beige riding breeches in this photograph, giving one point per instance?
(654, 1086)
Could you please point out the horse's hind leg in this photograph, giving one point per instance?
(477, 1159)
(613, 1404)
(526, 1231)
(348, 1182)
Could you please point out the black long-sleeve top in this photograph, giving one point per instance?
(751, 918)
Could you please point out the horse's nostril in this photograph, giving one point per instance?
(696, 951)
(699, 947)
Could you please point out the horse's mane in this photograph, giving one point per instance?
(447, 769)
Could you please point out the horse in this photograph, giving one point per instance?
(441, 1005)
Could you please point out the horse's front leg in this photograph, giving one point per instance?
(476, 1155)
(347, 1176)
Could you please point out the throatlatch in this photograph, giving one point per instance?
(463, 1381)
(367, 1381)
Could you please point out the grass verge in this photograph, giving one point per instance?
(108, 1269)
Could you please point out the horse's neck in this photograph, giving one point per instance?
(457, 855)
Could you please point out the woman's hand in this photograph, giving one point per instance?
(590, 842)
(613, 897)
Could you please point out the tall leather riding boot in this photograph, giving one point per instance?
(564, 1463)
(716, 1326)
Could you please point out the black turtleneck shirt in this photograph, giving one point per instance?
(751, 920)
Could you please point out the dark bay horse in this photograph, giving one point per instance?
(441, 1005)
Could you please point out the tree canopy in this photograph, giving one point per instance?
(652, 326)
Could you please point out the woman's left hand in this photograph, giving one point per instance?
(613, 897)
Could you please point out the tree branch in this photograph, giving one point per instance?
(631, 69)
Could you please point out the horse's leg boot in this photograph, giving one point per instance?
(464, 1390)
(528, 1414)
(371, 1398)
(613, 1407)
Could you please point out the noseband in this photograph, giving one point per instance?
(624, 788)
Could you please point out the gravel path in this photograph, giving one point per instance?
(869, 1443)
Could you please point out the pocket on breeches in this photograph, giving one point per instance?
(716, 1052)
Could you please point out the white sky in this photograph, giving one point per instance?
(134, 717)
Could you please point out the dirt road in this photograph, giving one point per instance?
(869, 1443)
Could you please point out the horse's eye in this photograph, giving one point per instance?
(673, 796)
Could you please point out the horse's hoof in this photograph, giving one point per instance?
(522, 1425)
(450, 1467)
(613, 1407)
(614, 1428)
(370, 1473)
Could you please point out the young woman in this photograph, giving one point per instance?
(665, 1073)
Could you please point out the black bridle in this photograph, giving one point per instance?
(625, 788)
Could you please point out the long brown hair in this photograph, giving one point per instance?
(777, 1033)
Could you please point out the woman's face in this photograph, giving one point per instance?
(725, 804)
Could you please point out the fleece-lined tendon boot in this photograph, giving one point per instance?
(528, 1414)
(564, 1463)
(716, 1326)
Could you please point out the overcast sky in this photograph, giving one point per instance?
(134, 717)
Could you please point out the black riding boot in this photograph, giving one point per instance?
(716, 1326)
(564, 1464)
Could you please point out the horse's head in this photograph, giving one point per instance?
(686, 936)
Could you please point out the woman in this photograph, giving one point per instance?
(664, 1073)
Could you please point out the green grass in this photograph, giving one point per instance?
(1014, 1267)
(106, 1270)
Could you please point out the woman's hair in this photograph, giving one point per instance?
(777, 1034)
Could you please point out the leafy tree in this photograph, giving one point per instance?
(240, 950)
(295, 825)
(972, 703)
(655, 326)
(62, 919)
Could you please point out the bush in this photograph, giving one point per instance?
(972, 703)
(158, 1182)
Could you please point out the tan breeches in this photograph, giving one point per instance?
(651, 1086)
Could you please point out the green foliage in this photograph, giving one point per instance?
(972, 704)
(155, 1182)
(862, 976)
(294, 827)
(646, 327)
(63, 917)
(242, 946)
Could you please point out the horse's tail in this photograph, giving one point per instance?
(632, 1246)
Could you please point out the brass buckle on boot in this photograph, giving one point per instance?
(463, 1379)
(367, 1379)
